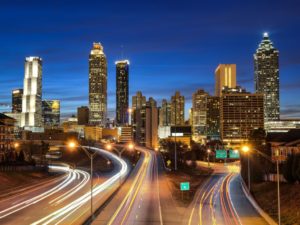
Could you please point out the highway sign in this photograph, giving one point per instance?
(221, 154)
(184, 186)
(234, 154)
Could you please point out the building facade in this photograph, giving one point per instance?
(151, 124)
(199, 114)
(177, 109)
(213, 117)
(32, 96)
(122, 85)
(7, 136)
(139, 118)
(266, 76)
(165, 113)
(17, 95)
(97, 86)
(241, 113)
(51, 113)
(83, 115)
(225, 76)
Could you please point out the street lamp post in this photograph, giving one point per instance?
(110, 147)
(91, 156)
(208, 154)
(246, 149)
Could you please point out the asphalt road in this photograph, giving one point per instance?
(220, 200)
(63, 201)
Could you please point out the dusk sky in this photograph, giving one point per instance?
(171, 45)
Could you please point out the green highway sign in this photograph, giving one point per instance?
(234, 154)
(221, 154)
(184, 186)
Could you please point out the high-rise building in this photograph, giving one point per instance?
(83, 115)
(225, 76)
(213, 117)
(97, 86)
(199, 114)
(266, 72)
(139, 118)
(165, 113)
(151, 125)
(7, 135)
(51, 113)
(122, 76)
(17, 95)
(32, 96)
(177, 109)
(241, 113)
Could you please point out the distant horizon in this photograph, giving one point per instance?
(170, 46)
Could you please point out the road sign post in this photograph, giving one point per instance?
(184, 186)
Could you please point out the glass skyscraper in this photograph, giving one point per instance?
(266, 69)
(97, 86)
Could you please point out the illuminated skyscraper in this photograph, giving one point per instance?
(97, 86)
(51, 113)
(139, 118)
(83, 115)
(177, 109)
(266, 72)
(32, 96)
(225, 76)
(17, 95)
(122, 76)
(165, 113)
(199, 114)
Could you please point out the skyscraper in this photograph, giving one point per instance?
(122, 76)
(97, 86)
(165, 113)
(17, 95)
(213, 117)
(32, 96)
(199, 114)
(225, 76)
(51, 113)
(177, 109)
(266, 72)
(139, 118)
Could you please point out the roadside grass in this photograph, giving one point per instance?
(266, 196)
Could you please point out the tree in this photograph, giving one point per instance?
(288, 168)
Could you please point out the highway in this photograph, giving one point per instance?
(220, 200)
(66, 200)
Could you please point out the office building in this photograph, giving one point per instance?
(83, 115)
(17, 95)
(266, 72)
(97, 86)
(7, 136)
(32, 95)
(177, 109)
(122, 107)
(151, 126)
(139, 118)
(225, 76)
(51, 113)
(165, 113)
(125, 134)
(213, 117)
(199, 114)
(240, 113)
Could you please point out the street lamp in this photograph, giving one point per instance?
(110, 147)
(246, 149)
(208, 153)
(72, 145)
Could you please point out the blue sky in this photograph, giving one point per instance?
(172, 45)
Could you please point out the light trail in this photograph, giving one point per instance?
(67, 210)
(24, 204)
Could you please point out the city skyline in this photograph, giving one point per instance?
(197, 61)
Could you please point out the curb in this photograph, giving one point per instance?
(263, 214)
